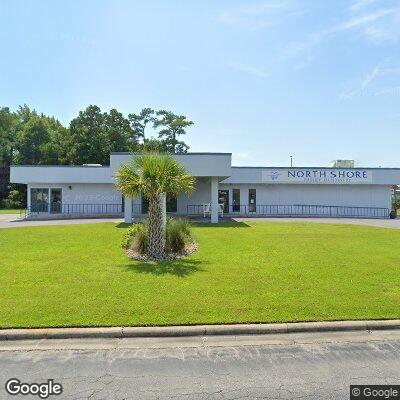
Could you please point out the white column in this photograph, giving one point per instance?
(164, 207)
(128, 210)
(214, 200)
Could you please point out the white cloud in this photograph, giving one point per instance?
(259, 15)
(363, 84)
(376, 26)
(249, 69)
(360, 4)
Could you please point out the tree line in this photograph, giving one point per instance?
(31, 138)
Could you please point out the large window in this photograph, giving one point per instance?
(252, 200)
(39, 200)
(236, 200)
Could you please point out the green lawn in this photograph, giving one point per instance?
(77, 275)
(9, 211)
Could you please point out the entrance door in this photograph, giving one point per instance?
(223, 198)
(56, 201)
(252, 200)
(236, 200)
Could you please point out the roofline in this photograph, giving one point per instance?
(176, 154)
(355, 168)
(61, 166)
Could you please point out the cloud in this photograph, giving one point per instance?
(376, 26)
(259, 15)
(377, 72)
(360, 4)
(249, 69)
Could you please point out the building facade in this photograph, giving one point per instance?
(221, 189)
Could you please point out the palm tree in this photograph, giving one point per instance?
(153, 175)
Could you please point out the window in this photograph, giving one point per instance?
(252, 200)
(236, 200)
(39, 200)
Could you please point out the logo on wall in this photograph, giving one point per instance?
(274, 175)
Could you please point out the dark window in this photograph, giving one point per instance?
(252, 200)
(55, 200)
(223, 198)
(39, 200)
(236, 200)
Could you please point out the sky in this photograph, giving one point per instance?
(265, 80)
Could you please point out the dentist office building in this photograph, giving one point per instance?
(221, 190)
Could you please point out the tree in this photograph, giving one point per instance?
(88, 137)
(173, 126)
(8, 123)
(139, 122)
(153, 175)
(118, 132)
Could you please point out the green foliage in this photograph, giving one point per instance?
(13, 200)
(172, 125)
(178, 233)
(137, 237)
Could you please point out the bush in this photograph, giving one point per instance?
(178, 234)
(13, 200)
(137, 237)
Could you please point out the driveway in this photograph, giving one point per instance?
(13, 221)
(380, 223)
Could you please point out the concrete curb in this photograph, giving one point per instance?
(196, 330)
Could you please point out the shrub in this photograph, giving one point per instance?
(178, 233)
(137, 237)
(13, 200)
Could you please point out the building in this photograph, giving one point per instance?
(220, 188)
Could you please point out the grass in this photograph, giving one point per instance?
(77, 275)
(9, 211)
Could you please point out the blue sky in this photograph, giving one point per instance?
(265, 79)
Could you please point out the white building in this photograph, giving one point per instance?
(249, 191)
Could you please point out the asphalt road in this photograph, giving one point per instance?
(291, 366)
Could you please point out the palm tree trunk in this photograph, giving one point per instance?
(156, 229)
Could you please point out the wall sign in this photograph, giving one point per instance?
(317, 176)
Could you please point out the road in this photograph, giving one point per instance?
(288, 366)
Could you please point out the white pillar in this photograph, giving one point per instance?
(164, 207)
(214, 200)
(128, 210)
(28, 200)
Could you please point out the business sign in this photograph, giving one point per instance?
(317, 176)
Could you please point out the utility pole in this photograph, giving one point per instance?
(291, 161)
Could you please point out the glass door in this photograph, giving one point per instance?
(252, 200)
(236, 200)
(55, 201)
(223, 198)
